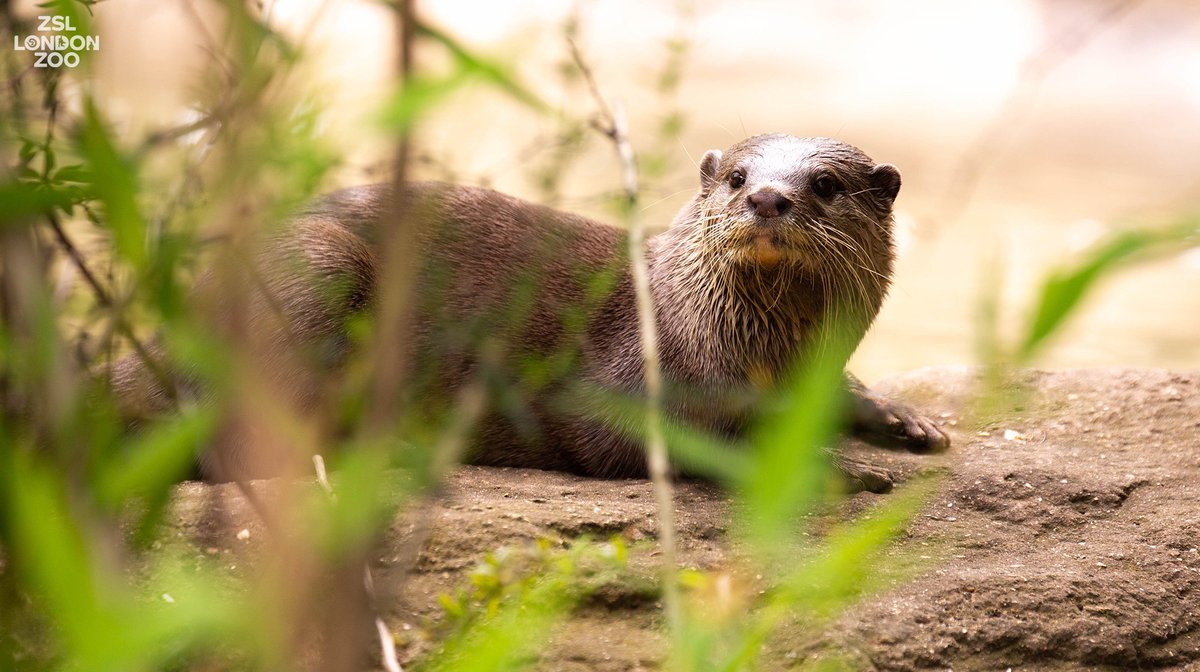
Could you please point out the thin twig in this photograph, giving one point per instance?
(608, 128)
(51, 121)
(102, 296)
(620, 135)
(398, 240)
(387, 643)
(656, 448)
(269, 296)
(323, 475)
(166, 135)
(388, 657)
(210, 42)
(260, 507)
(470, 404)
(15, 81)
(77, 258)
(105, 300)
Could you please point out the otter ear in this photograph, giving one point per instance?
(885, 180)
(708, 168)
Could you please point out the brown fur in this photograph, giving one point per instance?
(737, 296)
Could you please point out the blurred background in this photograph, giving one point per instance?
(1024, 129)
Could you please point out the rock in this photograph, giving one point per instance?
(1063, 537)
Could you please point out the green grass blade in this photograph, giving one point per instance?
(790, 471)
(1065, 288)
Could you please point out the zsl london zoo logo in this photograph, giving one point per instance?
(54, 50)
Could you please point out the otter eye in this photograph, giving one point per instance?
(737, 179)
(825, 186)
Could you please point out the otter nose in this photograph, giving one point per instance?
(769, 203)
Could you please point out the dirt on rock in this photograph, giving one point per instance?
(1063, 537)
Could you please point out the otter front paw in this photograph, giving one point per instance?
(860, 476)
(893, 424)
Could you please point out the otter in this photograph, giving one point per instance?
(787, 241)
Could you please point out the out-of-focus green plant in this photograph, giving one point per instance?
(423, 93)
(1061, 295)
(728, 625)
(1065, 288)
(517, 596)
(81, 503)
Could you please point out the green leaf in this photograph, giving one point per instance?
(695, 451)
(1066, 287)
(492, 72)
(791, 470)
(842, 568)
(29, 149)
(49, 159)
(702, 454)
(451, 606)
(115, 184)
(22, 201)
(56, 562)
(72, 173)
(157, 458)
(511, 630)
(100, 620)
(820, 582)
(366, 496)
(418, 96)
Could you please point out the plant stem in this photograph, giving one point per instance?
(656, 446)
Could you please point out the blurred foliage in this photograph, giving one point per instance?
(422, 94)
(1065, 288)
(1062, 294)
(89, 579)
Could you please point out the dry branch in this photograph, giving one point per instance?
(613, 124)
(105, 300)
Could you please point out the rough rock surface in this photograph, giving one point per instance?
(1064, 537)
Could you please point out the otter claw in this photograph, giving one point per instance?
(882, 421)
(861, 476)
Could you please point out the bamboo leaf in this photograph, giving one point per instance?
(157, 458)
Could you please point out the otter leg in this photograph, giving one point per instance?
(860, 476)
(892, 424)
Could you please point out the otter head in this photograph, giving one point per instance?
(774, 200)
(783, 233)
